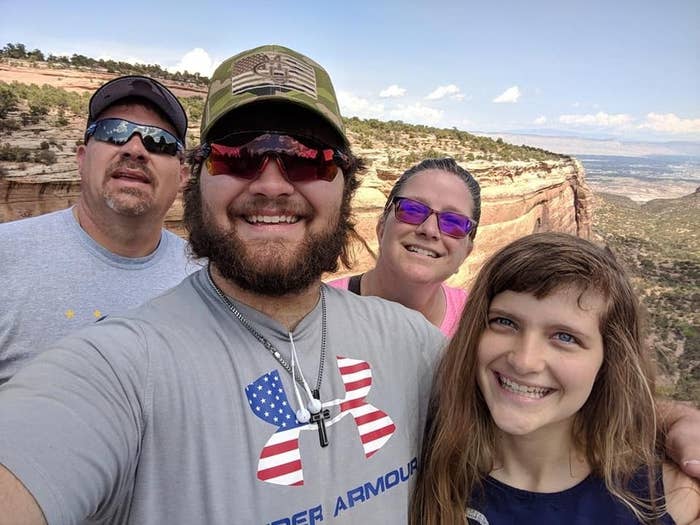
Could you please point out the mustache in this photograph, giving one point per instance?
(283, 205)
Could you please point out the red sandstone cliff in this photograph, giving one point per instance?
(519, 196)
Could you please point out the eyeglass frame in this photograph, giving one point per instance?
(471, 222)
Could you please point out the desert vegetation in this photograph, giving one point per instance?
(659, 243)
(18, 51)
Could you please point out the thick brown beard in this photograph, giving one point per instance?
(270, 270)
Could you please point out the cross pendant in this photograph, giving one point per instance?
(319, 418)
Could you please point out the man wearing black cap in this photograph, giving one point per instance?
(109, 252)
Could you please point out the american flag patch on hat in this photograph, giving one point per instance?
(274, 71)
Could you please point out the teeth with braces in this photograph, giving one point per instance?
(421, 251)
(527, 391)
(272, 219)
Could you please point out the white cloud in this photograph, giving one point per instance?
(671, 123)
(195, 61)
(417, 114)
(393, 91)
(353, 106)
(600, 119)
(540, 120)
(443, 91)
(510, 95)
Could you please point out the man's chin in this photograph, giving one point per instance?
(130, 204)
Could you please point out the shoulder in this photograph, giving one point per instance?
(341, 283)
(382, 317)
(455, 295)
(174, 251)
(173, 238)
(33, 223)
(455, 299)
(26, 240)
(682, 495)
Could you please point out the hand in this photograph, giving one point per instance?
(682, 425)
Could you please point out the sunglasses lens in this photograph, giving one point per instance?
(233, 160)
(454, 224)
(119, 132)
(415, 213)
(411, 212)
(297, 161)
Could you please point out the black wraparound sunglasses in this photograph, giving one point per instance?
(119, 131)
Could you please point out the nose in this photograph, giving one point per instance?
(429, 227)
(527, 355)
(271, 180)
(134, 148)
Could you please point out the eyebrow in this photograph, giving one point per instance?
(449, 207)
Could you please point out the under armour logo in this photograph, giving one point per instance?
(280, 459)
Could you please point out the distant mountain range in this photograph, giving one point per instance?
(578, 145)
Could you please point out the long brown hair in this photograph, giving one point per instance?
(616, 427)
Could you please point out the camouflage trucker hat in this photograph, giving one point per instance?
(271, 73)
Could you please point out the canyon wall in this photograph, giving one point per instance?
(538, 192)
(518, 199)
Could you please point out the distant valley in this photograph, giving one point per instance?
(639, 170)
(575, 145)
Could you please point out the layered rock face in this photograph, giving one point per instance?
(518, 198)
(539, 192)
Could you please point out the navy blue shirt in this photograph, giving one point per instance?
(588, 503)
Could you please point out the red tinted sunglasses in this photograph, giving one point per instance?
(415, 212)
(297, 161)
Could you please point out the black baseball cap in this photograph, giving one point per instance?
(142, 87)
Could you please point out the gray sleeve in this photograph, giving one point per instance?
(72, 422)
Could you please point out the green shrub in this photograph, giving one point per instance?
(45, 156)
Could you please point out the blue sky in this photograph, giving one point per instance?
(624, 68)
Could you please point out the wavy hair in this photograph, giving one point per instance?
(616, 427)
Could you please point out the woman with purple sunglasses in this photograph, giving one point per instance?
(425, 233)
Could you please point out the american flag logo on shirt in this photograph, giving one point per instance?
(374, 426)
(280, 459)
(277, 71)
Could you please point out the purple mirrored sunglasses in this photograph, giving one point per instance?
(415, 212)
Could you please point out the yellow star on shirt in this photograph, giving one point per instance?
(97, 314)
(70, 314)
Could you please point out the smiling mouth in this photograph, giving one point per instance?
(271, 219)
(533, 392)
(422, 251)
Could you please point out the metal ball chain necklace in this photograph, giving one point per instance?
(319, 417)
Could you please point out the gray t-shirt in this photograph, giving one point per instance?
(54, 278)
(175, 413)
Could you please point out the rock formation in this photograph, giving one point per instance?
(537, 192)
